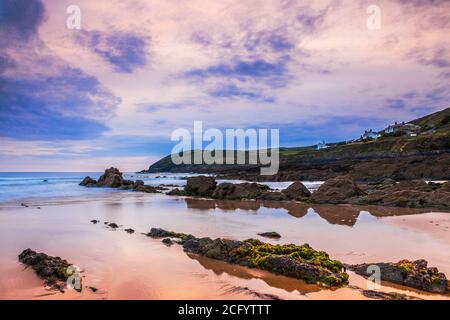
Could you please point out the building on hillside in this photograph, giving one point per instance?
(322, 145)
(370, 135)
(403, 128)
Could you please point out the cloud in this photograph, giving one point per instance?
(126, 51)
(232, 91)
(19, 20)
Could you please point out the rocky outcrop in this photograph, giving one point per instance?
(200, 186)
(300, 262)
(230, 191)
(415, 274)
(175, 192)
(408, 194)
(111, 178)
(272, 196)
(88, 181)
(297, 191)
(54, 270)
(337, 190)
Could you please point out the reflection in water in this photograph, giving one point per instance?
(276, 281)
(346, 215)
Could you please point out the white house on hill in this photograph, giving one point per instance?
(322, 145)
(370, 135)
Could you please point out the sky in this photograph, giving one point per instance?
(112, 92)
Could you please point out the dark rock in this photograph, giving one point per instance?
(113, 225)
(168, 242)
(161, 233)
(378, 295)
(201, 186)
(24, 205)
(175, 192)
(230, 191)
(111, 178)
(272, 196)
(130, 231)
(88, 181)
(54, 270)
(297, 191)
(272, 235)
(93, 289)
(95, 221)
(414, 274)
(300, 262)
(446, 186)
(337, 190)
(146, 189)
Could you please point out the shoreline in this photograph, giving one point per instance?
(141, 211)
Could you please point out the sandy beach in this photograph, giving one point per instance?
(124, 266)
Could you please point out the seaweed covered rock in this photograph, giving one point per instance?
(300, 262)
(88, 181)
(230, 191)
(337, 190)
(111, 178)
(54, 270)
(201, 186)
(415, 274)
(297, 191)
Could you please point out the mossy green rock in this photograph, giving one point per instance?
(300, 262)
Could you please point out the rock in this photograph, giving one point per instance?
(147, 189)
(446, 186)
(337, 190)
(175, 192)
(415, 274)
(201, 186)
(379, 295)
(272, 196)
(161, 233)
(230, 191)
(300, 262)
(111, 178)
(24, 205)
(130, 231)
(88, 181)
(168, 242)
(95, 221)
(138, 183)
(297, 191)
(113, 225)
(54, 270)
(93, 289)
(272, 235)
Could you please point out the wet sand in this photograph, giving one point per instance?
(124, 266)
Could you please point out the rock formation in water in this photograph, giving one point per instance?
(54, 270)
(300, 262)
(414, 274)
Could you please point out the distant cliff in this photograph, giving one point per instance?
(394, 155)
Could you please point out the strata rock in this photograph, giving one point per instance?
(88, 181)
(297, 191)
(54, 270)
(230, 191)
(201, 186)
(337, 190)
(111, 178)
(168, 242)
(415, 274)
(273, 235)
